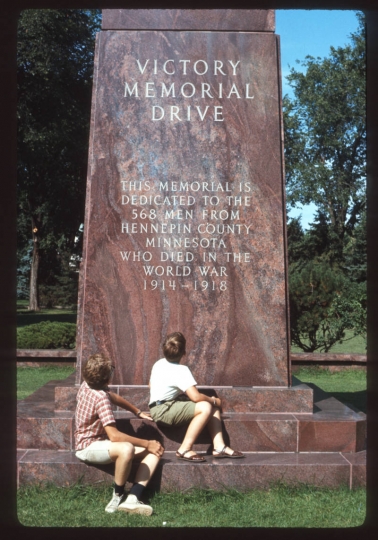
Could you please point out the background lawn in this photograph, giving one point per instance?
(348, 386)
(26, 317)
(350, 345)
(29, 379)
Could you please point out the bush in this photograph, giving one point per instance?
(47, 335)
(323, 305)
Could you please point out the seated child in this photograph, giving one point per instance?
(97, 440)
(175, 400)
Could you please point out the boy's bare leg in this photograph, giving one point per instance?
(148, 463)
(205, 414)
(202, 413)
(147, 467)
(215, 430)
(122, 453)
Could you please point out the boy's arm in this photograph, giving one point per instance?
(124, 404)
(196, 396)
(114, 435)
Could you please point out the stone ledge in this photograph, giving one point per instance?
(318, 358)
(250, 20)
(302, 357)
(46, 353)
(331, 425)
(257, 470)
(341, 431)
(296, 399)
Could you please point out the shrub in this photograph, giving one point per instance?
(323, 304)
(47, 335)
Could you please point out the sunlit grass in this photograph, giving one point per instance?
(280, 506)
(29, 379)
(348, 386)
(351, 345)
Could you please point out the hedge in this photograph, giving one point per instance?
(47, 335)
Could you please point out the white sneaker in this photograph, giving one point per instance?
(114, 503)
(133, 506)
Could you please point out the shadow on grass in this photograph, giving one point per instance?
(354, 400)
(33, 317)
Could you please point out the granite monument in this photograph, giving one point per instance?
(185, 206)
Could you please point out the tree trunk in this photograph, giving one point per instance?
(33, 295)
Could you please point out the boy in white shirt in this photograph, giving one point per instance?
(175, 400)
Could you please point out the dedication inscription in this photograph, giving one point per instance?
(184, 224)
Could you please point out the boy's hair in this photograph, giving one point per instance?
(174, 347)
(97, 371)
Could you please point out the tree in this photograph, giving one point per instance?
(355, 263)
(323, 305)
(54, 62)
(325, 145)
(325, 137)
(325, 299)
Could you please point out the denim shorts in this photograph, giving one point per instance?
(97, 452)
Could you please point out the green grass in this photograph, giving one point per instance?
(348, 386)
(29, 379)
(351, 345)
(280, 506)
(26, 317)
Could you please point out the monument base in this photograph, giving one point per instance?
(322, 444)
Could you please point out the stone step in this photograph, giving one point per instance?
(255, 399)
(330, 427)
(333, 428)
(256, 470)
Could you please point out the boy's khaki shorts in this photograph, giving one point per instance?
(97, 452)
(173, 413)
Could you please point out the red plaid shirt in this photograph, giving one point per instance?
(93, 412)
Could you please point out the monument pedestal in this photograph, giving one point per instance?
(317, 440)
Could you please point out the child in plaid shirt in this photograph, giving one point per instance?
(97, 440)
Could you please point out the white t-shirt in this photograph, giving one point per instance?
(169, 380)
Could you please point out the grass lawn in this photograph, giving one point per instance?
(280, 506)
(26, 317)
(348, 386)
(350, 345)
(29, 379)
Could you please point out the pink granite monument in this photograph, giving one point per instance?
(185, 207)
(185, 230)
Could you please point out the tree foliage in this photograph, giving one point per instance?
(325, 136)
(325, 162)
(54, 69)
(323, 304)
